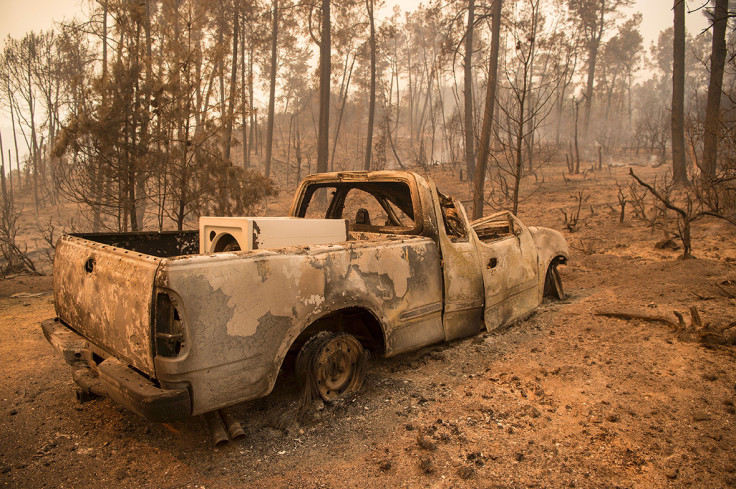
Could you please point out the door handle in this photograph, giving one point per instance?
(492, 263)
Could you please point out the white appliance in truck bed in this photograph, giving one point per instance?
(218, 234)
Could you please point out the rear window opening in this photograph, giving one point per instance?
(376, 207)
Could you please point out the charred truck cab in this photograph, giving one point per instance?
(169, 332)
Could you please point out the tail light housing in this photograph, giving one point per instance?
(168, 327)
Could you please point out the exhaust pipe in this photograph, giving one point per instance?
(217, 429)
(234, 430)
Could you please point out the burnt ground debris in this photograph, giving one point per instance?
(564, 398)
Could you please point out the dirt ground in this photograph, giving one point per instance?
(565, 398)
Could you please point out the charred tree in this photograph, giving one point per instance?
(244, 109)
(272, 93)
(468, 93)
(233, 83)
(485, 133)
(372, 104)
(679, 169)
(325, 67)
(594, 41)
(713, 105)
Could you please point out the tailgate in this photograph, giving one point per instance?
(106, 295)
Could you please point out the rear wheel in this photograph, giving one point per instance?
(331, 365)
(553, 283)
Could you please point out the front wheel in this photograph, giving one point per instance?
(331, 365)
(553, 283)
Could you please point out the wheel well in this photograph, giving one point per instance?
(356, 321)
(551, 285)
(558, 260)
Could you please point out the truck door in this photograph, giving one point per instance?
(463, 281)
(509, 266)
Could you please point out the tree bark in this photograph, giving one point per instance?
(343, 101)
(10, 173)
(221, 67)
(97, 172)
(233, 81)
(713, 105)
(15, 140)
(595, 42)
(411, 99)
(298, 152)
(272, 93)
(243, 99)
(576, 109)
(7, 204)
(372, 104)
(325, 67)
(485, 133)
(679, 169)
(468, 93)
(251, 130)
(104, 48)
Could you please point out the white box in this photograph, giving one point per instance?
(251, 233)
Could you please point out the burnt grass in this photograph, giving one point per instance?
(563, 398)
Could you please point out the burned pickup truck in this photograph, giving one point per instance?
(176, 324)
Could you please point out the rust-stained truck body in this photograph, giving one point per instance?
(169, 332)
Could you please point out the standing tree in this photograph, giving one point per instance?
(468, 92)
(679, 169)
(372, 103)
(21, 58)
(7, 61)
(617, 65)
(567, 40)
(484, 144)
(272, 89)
(325, 67)
(593, 19)
(620, 59)
(528, 94)
(107, 140)
(719, 17)
(230, 116)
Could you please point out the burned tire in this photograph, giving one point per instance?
(553, 283)
(331, 365)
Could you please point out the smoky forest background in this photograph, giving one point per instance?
(147, 114)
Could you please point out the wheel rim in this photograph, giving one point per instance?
(336, 367)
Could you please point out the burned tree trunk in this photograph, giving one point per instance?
(372, 106)
(233, 82)
(679, 169)
(325, 66)
(272, 93)
(468, 93)
(484, 146)
(713, 105)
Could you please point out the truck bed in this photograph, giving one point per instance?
(160, 244)
(104, 284)
(168, 244)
